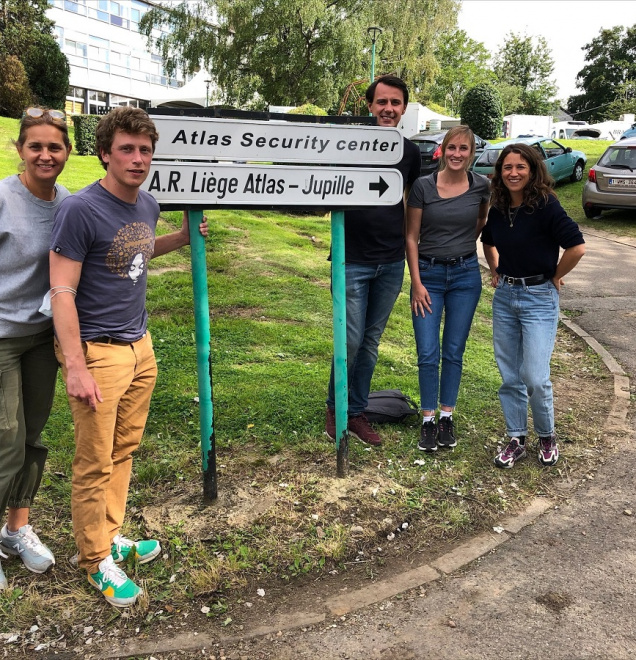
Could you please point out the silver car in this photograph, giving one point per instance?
(611, 183)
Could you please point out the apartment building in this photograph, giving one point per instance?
(110, 64)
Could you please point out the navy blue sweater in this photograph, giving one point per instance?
(531, 245)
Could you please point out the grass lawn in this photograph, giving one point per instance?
(281, 514)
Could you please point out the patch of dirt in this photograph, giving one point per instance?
(554, 601)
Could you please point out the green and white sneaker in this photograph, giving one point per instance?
(144, 551)
(118, 589)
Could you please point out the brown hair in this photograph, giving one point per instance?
(458, 131)
(127, 120)
(539, 186)
(45, 118)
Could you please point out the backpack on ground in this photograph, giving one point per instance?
(390, 406)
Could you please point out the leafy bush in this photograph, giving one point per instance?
(48, 71)
(482, 110)
(308, 109)
(15, 93)
(85, 126)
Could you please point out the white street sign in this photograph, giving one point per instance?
(194, 138)
(211, 184)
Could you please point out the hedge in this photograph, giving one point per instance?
(85, 126)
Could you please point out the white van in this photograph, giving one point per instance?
(563, 129)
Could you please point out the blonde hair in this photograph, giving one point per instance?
(458, 131)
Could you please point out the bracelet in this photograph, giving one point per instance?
(61, 289)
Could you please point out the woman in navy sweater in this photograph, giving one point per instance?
(526, 228)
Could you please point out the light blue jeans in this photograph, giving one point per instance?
(371, 292)
(454, 290)
(524, 320)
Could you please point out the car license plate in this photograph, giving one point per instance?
(623, 183)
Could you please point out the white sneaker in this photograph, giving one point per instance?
(26, 545)
(3, 580)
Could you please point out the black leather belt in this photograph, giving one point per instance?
(524, 281)
(449, 262)
(110, 340)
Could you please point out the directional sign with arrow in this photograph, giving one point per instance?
(211, 184)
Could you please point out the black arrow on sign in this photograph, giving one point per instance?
(381, 185)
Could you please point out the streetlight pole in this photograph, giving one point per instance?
(207, 92)
(374, 32)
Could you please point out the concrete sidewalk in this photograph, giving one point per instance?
(562, 587)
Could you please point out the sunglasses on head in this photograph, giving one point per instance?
(39, 112)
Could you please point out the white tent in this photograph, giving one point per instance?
(191, 95)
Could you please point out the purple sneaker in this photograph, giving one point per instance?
(515, 450)
(548, 450)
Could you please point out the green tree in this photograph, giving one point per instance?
(48, 71)
(463, 63)
(15, 93)
(482, 110)
(610, 62)
(528, 67)
(283, 53)
(26, 33)
(624, 101)
(408, 44)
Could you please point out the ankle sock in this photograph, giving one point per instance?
(445, 413)
(428, 418)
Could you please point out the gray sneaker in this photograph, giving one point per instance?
(3, 580)
(26, 545)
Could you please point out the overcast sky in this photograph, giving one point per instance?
(567, 25)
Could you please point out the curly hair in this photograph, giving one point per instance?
(455, 132)
(127, 120)
(539, 186)
(45, 118)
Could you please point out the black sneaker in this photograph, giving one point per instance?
(446, 432)
(428, 437)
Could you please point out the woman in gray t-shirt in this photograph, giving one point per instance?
(27, 360)
(446, 212)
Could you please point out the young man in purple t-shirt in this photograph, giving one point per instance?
(102, 240)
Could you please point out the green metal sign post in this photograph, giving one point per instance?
(204, 369)
(341, 388)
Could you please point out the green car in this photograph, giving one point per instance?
(561, 162)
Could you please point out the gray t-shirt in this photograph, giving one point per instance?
(448, 225)
(114, 241)
(25, 233)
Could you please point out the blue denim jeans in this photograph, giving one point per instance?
(371, 292)
(454, 291)
(524, 320)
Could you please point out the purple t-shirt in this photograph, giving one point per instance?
(114, 241)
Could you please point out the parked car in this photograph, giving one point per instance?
(430, 144)
(629, 133)
(611, 183)
(562, 162)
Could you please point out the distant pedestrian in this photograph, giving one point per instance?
(28, 367)
(526, 227)
(446, 212)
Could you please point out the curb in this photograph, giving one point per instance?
(449, 563)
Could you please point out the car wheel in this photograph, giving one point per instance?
(592, 212)
(577, 172)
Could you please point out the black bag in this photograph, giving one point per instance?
(390, 406)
